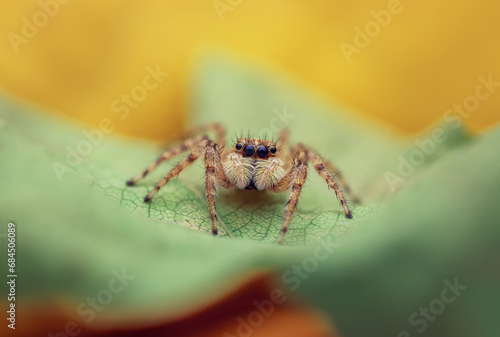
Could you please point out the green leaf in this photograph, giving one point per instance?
(393, 256)
(245, 214)
(443, 228)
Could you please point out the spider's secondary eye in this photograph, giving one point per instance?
(249, 151)
(239, 147)
(262, 152)
(273, 150)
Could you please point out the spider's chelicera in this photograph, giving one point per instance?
(250, 164)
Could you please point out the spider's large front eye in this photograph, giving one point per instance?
(239, 146)
(262, 152)
(249, 151)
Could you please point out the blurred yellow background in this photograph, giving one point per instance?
(402, 62)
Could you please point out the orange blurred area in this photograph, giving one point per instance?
(402, 62)
(234, 315)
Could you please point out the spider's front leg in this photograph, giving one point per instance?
(214, 173)
(307, 154)
(169, 154)
(195, 153)
(188, 144)
(217, 129)
(324, 167)
(296, 177)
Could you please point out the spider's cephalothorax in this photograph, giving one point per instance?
(253, 164)
(250, 164)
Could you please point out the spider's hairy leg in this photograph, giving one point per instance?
(299, 178)
(283, 145)
(345, 186)
(167, 155)
(319, 166)
(214, 173)
(218, 129)
(296, 150)
(195, 153)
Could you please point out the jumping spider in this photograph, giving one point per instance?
(251, 164)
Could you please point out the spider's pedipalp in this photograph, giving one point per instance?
(269, 173)
(239, 172)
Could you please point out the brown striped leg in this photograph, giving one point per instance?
(296, 150)
(305, 154)
(220, 132)
(319, 166)
(169, 154)
(197, 151)
(218, 129)
(311, 155)
(214, 173)
(340, 178)
(283, 146)
(298, 181)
